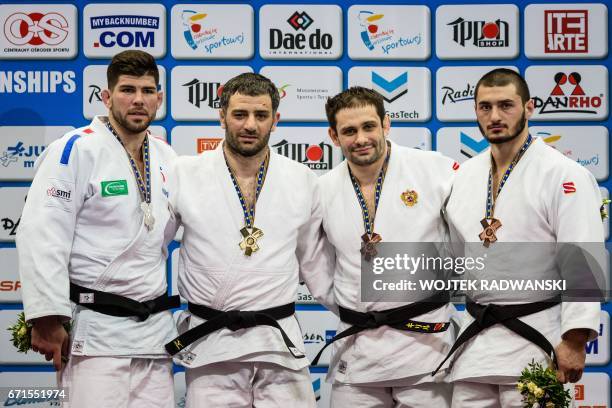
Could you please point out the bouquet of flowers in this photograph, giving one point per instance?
(540, 386)
(602, 209)
(22, 333)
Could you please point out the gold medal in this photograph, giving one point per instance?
(249, 240)
(409, 198)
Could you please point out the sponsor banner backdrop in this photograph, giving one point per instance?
(395, 32)
(455, 88)
(304, 90)
(598, 350)
(94, 82)
(568, 92)
(592, 391)
(585, 145)
(20, 146)
(322, 389)
(10, 283)
(180, 389)
(300, 31)
(13, 200)
(477, 31)
(310, 146)
(461, 143)
(406, 91)
(111, 28)
(566, 30)
(212, 31)
(38, 31)
(196, 90)
(318, 328)
(416, 137)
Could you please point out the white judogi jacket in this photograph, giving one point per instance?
(69, 231)
(383, 354)
(215, 272)
(534, 206)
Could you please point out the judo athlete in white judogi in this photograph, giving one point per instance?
(536, 195)
(92, 248)
(401, 191)
(251, 222)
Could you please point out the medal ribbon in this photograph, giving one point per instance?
(368, 222)
(144, 186)
(249, 213)
(490, 202)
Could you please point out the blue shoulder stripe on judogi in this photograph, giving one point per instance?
(68, 149)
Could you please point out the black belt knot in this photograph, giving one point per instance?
(399, 318)
(237, 319)
(489, 315)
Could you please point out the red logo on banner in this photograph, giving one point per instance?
(36, 29)
(566, 31)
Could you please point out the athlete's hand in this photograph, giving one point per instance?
(571, 355)
(51, 339)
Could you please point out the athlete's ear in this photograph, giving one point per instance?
(333, 136)
(386, 124)
(106, 98)
(529, 108)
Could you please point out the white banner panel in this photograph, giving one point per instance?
(460, 143)
(300, 31)
(193, 140)
(586, 145)
(20, 146)
(38, 31)
(489, 31)
(13, 200)
(212, 31)
(395, 32)
(318, 328)
(592, 391)
(415, 137)
(566, 30)
(10, 282)
(111, 28)
(598, 350)
(568, 92)
(196, 90)
(406, 91)
(304, 90)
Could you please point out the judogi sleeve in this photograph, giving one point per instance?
(315, 254)
(174, 222)
(576, 219)
(46, 230)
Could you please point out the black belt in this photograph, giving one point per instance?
(489, 315)
(398, 318)
(234, 320)
(120, 306)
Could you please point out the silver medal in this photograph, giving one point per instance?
(149, 220)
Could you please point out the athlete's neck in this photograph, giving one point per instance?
(504, 153)
(244, 166)
(132, 141)
(368, 174)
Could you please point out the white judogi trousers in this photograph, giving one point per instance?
(118, 382)
(248, 384)
(426, 395)
(467, 394)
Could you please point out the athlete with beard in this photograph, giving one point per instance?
(92, 248)
(383, 192)
(252, 231)
(518, 191)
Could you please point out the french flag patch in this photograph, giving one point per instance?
(569, 187)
